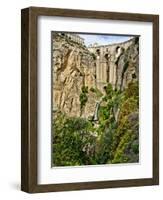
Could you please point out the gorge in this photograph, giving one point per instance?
(76, 66)
(95, 101)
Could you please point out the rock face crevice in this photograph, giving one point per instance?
(75, 66)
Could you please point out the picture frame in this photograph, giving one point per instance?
(29, 99)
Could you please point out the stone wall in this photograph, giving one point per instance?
(111, 61)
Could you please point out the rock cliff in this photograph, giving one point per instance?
(80, 73)
(73, 68)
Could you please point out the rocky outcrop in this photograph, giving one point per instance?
(75, 66)
(127, 65)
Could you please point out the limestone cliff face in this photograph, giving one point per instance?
(127, 65)
(76, 66)
(73, 68)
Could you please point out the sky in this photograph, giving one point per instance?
(104, 39)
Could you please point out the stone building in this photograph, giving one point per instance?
(107, 57)
(73, 37)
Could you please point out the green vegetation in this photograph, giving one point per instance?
(73, 143)
(83, 97)
(93, 55)
(113, 139)
(96, 91)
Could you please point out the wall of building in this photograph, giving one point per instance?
(106, 57)
(74, 37)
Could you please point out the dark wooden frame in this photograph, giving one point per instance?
(29, 99)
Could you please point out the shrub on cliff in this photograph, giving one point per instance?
(83, 96)
(72, 141)
(125, 147)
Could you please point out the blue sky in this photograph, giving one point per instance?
(104, 39)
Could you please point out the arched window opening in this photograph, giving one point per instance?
(134, 76)
(117, 48)
(106, 56)
(98, 51)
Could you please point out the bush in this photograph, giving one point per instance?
(92, 89)
(132, 90)
(84, 89)
(96, 91)
(71, 139)
(115, 139)
(109, 90)
(83, 96)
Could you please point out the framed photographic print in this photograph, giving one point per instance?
(90, 99)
